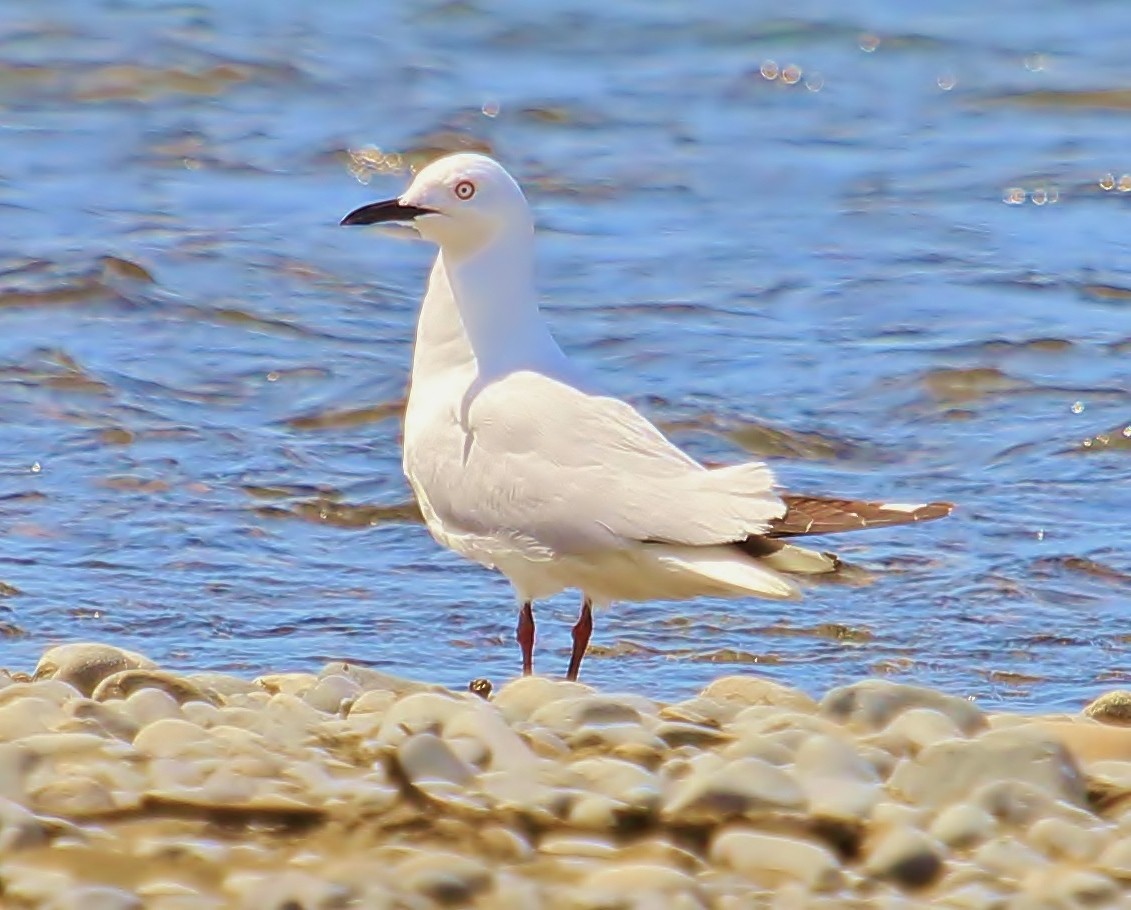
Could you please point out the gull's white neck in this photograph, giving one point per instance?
(493, 291)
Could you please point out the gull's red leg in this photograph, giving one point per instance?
(524, 635)
(581, 632)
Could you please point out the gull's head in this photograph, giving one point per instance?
(461, 202)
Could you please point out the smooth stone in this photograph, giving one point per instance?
(483, 723)
(173, 738)
(1111, 708)
(29, 716)
(1087, 740)
(16, 761)
(111, 719)
(1070, 888)
(84, 665)
(678, 733)
(754, 690)
(372, 701)
(950, 771)
(503, 844)
(872, 704)
(626, 740)
(72, 796)
(19, 827)
(148, 705)
(905, 856)
(520, 698)
(426, 757)
(371, 680)
(332, 694)
(971, 896)
(125, 683)
(1005, 857)
(1020, 803)
(287, 889)
(742, 786)
(566, 715)
(838, 783)
(55, 691)
(632, 879)
(420, 712)
(595, 812)
(963, 825)
(914, 729)
(626, 781)
(222, 685)
(755, 745)
(446, 878)
(706, 712)
(1060, 839)
(1116, 859)
(770, 860)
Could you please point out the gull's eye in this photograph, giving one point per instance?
(465, 189)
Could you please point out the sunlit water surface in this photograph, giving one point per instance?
(887, 250)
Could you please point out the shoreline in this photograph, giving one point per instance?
(123, 785)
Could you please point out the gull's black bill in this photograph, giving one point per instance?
(389, 210)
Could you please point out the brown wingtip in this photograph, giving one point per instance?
(826, 515)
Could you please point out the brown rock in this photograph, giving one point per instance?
(872, 704)
(85, 665)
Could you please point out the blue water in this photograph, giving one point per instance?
(887, 249)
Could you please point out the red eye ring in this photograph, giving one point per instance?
(464, 190)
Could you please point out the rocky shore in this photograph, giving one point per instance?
(123, 785)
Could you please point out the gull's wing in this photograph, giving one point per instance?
(570, 472)
(825, 515)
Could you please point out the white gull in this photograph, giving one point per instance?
(521, 465)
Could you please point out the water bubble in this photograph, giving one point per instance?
(815, 82)
(1035, 63)
(947, 81)
(1039, 196)
(791, 75)
(869, 42)
(491, 108)
(1077, 407)
(1124, 183)
(769, 70)
(36, 467)
(1107, 182)
(1013, 195)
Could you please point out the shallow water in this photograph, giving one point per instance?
(887, 250)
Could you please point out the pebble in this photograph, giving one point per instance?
(85, 665)
(772, 860)
(963, 825)
(745, 785)
(352, 787)
(1111, 708)
(873, 703)
(908, 857)
(950, 770)
(753, 690)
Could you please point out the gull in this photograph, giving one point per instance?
(521, 464)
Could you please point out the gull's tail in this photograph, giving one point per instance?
(760, 564)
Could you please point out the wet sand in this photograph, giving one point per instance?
(123, 785)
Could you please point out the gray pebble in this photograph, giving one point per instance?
(872, 704)
(426, 757)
